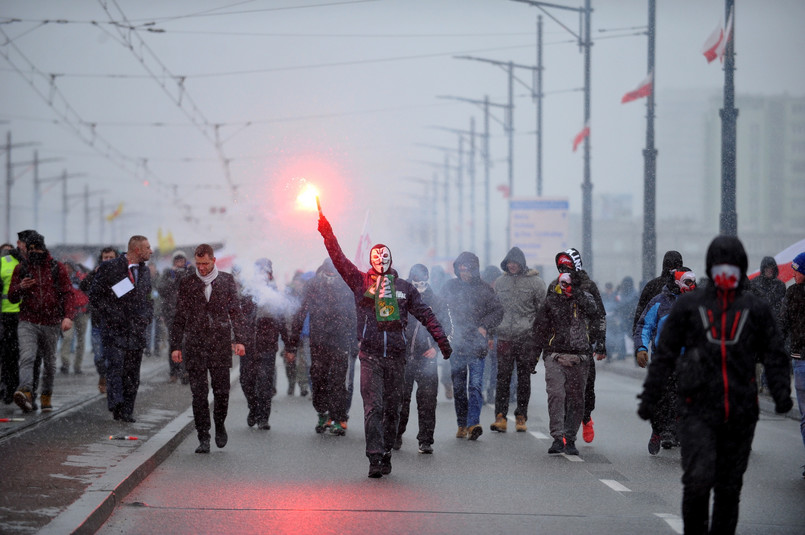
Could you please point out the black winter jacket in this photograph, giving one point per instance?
(562, 324)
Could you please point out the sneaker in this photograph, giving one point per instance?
(520, 424)
(588, 431)
(570, 448)
(425, 448)
(251, 419)
(24, 400)
(474, 432)
(263, 425)
(46, 406)
(654, 444)
(375, 471)
(203, 446)
(462, 432)
(385, 464)
(558, 446)
(667, 440)
(500, 423)
(323, 423)
(338, 429)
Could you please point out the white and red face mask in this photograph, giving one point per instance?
(380, 259)
(725, 276)
(685, 281)
(565, 285)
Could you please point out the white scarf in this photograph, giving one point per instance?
(207, 280)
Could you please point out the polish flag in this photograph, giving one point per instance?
(784, 259)
(580, 136)
(504, 189)
(364, 246)
(716, 44)
(643, 90)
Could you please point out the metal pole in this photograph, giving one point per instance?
(650, 162)
(86, 214)
(101, 221)
(729, 116)
(471, 171)
(36, 189)
(460, 180)
(487, 239)
(64, 207)
(510, 128)
(446, 205)
(538, 96)
(9, 181)
(587, 186)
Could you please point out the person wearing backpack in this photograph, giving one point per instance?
(47, 307)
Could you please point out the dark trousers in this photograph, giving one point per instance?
(511, 352)
(9, 356)
(425, 372)
(122, 377)
(665, 416)
(589, 391)
(382, 380)
(175, 369)
(328, 374)
(257, 370)
(199, 387)
(714, 457)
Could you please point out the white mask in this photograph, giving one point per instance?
(380, 259)
(725, 276)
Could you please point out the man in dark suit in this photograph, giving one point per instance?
(207, 313)
(121, 296)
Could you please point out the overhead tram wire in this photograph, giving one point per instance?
(69, 117)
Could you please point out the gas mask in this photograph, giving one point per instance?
(380, 259)
(725, 276)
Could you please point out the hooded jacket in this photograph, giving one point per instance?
(564, 323)
(792, 314)
(723, 334)
(522, 295)
(771, 290)
(671, 261)
(471, 305)
(373, 339)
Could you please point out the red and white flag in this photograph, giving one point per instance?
(364, 247)
(643, 90)
(580, 136)
(716, 44)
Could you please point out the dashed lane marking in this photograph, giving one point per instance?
(614, 485)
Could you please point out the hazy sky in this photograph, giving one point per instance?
(341, 93)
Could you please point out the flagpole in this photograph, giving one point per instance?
(729, 116)
(650, 161)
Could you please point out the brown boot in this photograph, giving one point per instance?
(500, 423)
(462, 432)
(520, 424)
(45, 400)
(102, 384)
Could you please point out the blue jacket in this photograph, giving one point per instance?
(647, 330)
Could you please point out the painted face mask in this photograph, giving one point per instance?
(420, 285)
(685, 280)
(725, 276)
(564, 284)
(380, 259)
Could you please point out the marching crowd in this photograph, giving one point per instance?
(709, 345)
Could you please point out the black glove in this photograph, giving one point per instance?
(783, 406)
(324, 227)
(445, 348)
(645, 410)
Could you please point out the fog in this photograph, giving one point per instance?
(202, 117)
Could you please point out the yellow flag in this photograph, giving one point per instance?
(116, 213)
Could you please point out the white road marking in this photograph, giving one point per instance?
(674, 521)
(539, 435)
(614, 485)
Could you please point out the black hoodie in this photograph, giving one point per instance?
(771, 290)
(670, 262)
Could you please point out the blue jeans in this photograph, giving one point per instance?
(97, 350)
(468, 376)
(799, 385)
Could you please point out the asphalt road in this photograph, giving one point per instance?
(291, 480)
(62, 474)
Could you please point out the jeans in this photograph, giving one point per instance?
(467, 373)
(257, 371)
(425, 373)
(799, 385)
(37, 341)
(97, 350)
(77, 333)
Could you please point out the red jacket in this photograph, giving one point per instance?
(45, 303)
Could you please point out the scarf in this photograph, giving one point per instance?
(207, 280)
(385, 296)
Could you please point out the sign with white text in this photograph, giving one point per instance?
(539, 226)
